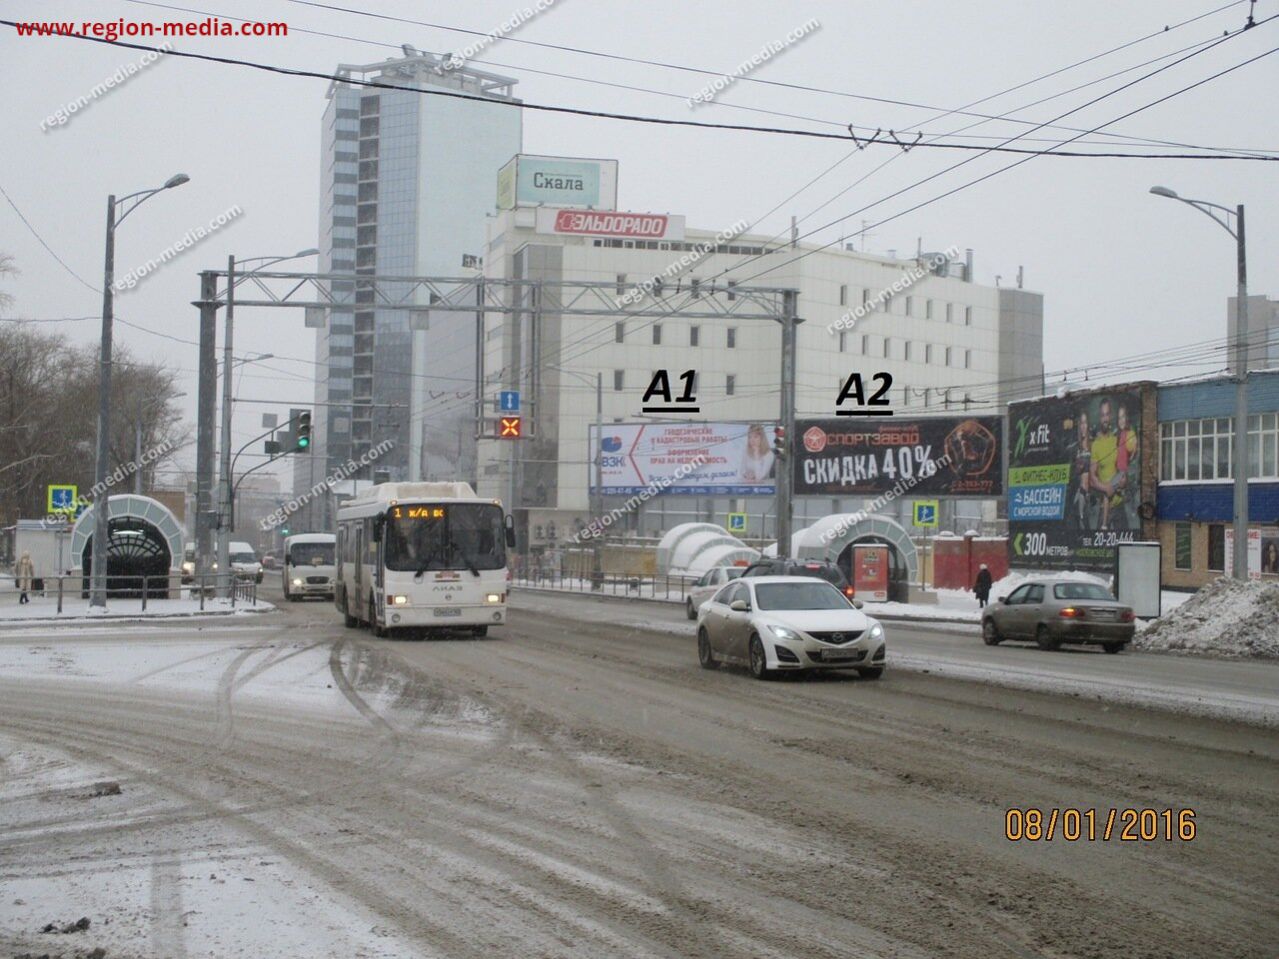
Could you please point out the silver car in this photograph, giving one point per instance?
(708, 585)
(1056, 611)
(774, 624)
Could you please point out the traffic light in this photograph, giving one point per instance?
(779, 441)
(510, 427)
(301, 432)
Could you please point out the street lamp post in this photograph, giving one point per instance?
(226, 507)
(101, 498)
(1239, 552)
(597, 497)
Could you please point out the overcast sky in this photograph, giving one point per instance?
(1122, 272)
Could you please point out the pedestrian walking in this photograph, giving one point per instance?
(981, 588)
(24, 573)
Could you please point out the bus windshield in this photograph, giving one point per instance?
(311, 554)
(422, 537)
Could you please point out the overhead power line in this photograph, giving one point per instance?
(890, 139)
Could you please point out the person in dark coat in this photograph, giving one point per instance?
(981, 588)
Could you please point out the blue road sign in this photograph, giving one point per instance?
(62, 499)
(509, 401)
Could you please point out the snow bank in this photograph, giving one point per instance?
(1227, 617)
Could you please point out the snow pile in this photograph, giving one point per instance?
(1227, 617)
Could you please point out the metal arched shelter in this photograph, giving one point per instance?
(146, 540)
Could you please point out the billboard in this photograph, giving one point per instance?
(1080, 476)
(642, 226)
(937, 456)
(693, 459)
(528, 180)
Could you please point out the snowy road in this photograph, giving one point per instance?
(576, 786)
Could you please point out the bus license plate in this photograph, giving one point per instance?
(448, 611)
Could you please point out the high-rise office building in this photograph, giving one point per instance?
(407, 177)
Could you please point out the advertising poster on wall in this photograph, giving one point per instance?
(929, 456)
(1080, 477)
(694, 459)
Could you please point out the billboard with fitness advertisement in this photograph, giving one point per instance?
(1081, 476)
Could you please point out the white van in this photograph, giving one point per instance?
(244, 561)
(309, 566)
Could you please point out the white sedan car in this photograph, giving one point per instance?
(776, 623)
(707, 586)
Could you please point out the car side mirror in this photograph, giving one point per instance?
(1003, 600)
(379, 522)
(858, 604)
(739, 606)
(510, 531)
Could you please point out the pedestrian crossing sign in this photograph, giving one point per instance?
(925, 512)
(62, 499)
(737, 522)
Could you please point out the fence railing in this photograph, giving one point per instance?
(614, 584)
(141, 588)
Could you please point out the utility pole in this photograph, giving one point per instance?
(790, 321)
(137, 456)
(597, 508)
(1241, 403)
(225, 506)
(208, 387)
(101, 496)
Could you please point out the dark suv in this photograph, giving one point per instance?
(820, 569)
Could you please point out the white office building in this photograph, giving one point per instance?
(951, 346)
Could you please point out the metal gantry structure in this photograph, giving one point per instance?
(530, 300)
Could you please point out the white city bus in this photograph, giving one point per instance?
(308, 567)
(420, 556)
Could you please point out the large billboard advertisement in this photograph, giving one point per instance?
(929, 456)
(642, 226)
(528, 180)
(694, 459)
(1080, 476)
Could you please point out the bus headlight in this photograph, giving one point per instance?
(493, 598)
(398, 600)
(298, 581)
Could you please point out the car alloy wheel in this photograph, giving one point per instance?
(758, 659)
(990, 632)
(705, 656)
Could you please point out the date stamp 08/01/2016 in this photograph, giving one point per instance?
(1072, 824)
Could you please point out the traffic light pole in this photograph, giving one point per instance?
(789, 322)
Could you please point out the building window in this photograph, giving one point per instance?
(843, 294)
(928, 309)
(906, 351)
(730, 385)
(968, 316)
(950, 312)
(657, 334)
(619, 379)
(732, 337)
(619, 332)
(865, 344)
(928, 352)
(968, 359)
(888, 347)
(1203, 450)
(694, 332)
(948, 354)
(1181, 546)
(843, 341)
(910, 306)
(1217, 548)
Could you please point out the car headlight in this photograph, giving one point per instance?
(877, 631)
(781, 632)
(298, 581)
(188, 567)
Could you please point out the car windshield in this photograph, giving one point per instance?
(243, 558)
(799, 596)
(445, 536)
(733, 572)
(311, 554)
(1081, 591)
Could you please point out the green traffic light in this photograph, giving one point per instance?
(303, 442)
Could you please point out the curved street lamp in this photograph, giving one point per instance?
(1221, 215)
(101, 495)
